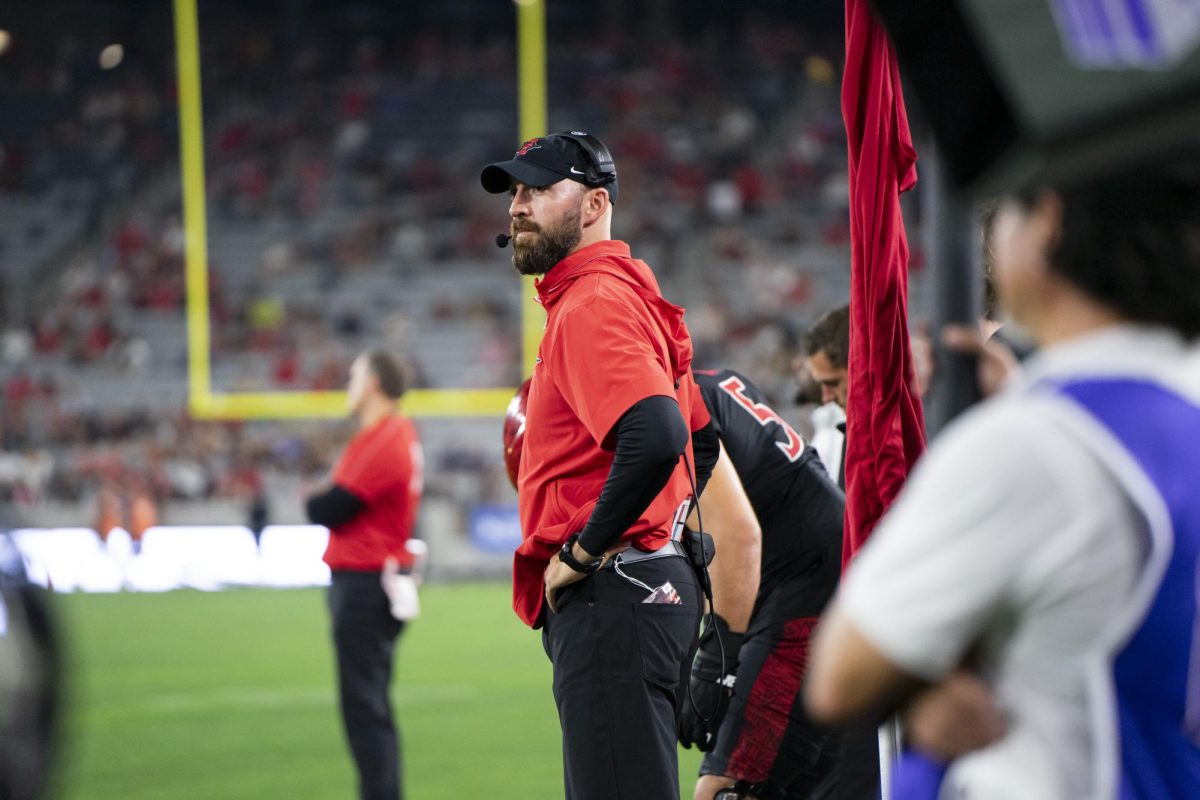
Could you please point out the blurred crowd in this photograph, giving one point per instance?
(342, 156)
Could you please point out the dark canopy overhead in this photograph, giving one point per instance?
(1049, 89)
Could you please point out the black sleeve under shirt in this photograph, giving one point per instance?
(335, 506)
(650, 437)
(706, 447)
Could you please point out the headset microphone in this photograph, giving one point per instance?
(502, 240)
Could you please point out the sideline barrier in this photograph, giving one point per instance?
(208, 557)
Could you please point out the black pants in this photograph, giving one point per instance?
(767, 739)
(364, 637)
(618, 672)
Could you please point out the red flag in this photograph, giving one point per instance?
(885, 429)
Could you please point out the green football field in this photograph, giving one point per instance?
(199, 696)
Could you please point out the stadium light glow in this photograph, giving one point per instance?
(819, 70)
(112, 56)
(5, 41)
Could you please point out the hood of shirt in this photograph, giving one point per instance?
(612, 258)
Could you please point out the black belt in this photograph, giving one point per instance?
(632, 555)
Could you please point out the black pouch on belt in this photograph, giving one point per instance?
(700, 549)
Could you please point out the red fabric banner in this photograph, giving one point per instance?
(885, 426)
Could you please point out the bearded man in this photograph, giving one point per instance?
(604, 480)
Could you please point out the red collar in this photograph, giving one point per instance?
(563, 271)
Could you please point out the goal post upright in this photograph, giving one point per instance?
(203, 401)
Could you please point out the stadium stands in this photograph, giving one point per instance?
(344, 210)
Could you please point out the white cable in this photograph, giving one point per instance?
(631, 579)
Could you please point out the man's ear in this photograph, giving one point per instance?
(595, 203)
(1046, 223)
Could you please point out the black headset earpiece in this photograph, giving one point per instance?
(601, 169)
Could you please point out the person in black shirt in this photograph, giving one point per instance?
(745, 707)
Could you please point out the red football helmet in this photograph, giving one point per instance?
(514, 432)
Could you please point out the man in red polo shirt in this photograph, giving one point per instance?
(370, 509)
(604, 484)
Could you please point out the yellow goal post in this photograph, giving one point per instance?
(203, 402)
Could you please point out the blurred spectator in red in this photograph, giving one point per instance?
(129, 240)
(286, 369)
(143, 511)
(330, 374)
(19, 389)
(99, 339)
(110, 512)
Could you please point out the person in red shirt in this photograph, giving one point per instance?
(370, 509)
(605, 477)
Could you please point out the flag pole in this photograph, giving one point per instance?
(956, 278)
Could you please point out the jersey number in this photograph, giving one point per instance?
(794, 446)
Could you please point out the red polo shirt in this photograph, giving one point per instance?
(610, 341)
(382, 466)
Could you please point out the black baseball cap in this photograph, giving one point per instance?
(572, 155)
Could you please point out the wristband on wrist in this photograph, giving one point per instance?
(567, 556)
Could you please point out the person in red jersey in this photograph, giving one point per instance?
(604, 479)
(370, 508)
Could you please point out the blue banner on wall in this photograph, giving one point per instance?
(495, 528)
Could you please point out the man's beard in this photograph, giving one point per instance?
(550, 246)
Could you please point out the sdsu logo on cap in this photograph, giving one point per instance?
(532, 144)
(546, 160)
